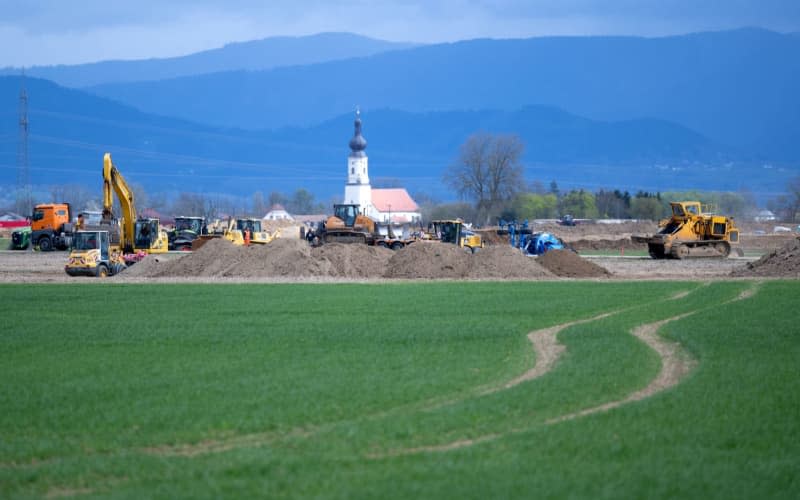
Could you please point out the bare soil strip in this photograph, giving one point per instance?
(676, 363)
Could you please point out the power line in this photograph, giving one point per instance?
(24, 200)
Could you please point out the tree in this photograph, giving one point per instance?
(277, 198)
(303, 202)
(613, 204)
(189, 205)
(647, 207)
(78, 196)
(488, 170)
(579, 204)
(535, 206)
(258, 204)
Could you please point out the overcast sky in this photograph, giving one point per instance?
(37, 32)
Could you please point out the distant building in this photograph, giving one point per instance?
(385, 205)
(277, 212)
(764, 216)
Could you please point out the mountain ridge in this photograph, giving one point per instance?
(259, 54)
(735, 87)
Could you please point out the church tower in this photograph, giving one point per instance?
(357, 190)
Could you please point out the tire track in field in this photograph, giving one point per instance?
(547, 351)
(676, 363)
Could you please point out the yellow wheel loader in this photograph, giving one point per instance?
(692, 232)
(94, 254)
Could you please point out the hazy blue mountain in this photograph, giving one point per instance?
(736, 87)
(253, 55)
(70, 130)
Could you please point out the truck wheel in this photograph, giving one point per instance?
(102, 271)
(45, 245)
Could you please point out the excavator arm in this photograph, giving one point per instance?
(113, 180)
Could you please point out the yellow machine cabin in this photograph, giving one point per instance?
(348, 225)
(454, 231)
(94, 254)
(235, 232)
(691, 232)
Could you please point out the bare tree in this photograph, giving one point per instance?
(259, 206)
(77, 195)
(189, 204)
(488, 171)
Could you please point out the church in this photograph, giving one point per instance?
(384, 205)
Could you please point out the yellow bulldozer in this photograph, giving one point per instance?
(237, 232)
(692, 231)
(454, 231)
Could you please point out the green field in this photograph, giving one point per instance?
(397, 391)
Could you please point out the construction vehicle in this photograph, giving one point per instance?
(239, 231)
(94, 254)
(21, 238)
(454, 231)
(187, 229)
(51, 228)
(235, 233)
(349, 225)
(692, 231)
(137, 236)
(522, 237)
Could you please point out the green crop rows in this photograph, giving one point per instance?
(397, 391)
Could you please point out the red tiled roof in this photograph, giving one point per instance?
(393, 200)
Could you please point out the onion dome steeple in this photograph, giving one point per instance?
(358, 144)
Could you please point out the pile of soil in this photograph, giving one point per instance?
(781, 263)
(571, 265)
(294, 258)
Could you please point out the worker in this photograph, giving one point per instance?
(79, 225)
(247, 237)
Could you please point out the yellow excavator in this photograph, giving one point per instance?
(104, 249)
(138, 236)
(692, 231)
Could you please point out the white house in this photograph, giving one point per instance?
(277, 212)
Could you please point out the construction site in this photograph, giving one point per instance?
(601, 252)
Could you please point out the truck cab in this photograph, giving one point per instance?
(50, 227)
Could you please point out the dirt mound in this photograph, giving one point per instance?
(570, 265)
(781, 263)
(503, 261)
(429, 259)
(354, 261)
(294, 258)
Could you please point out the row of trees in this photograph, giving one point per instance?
(488, 176)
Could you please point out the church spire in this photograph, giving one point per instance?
(358, 144)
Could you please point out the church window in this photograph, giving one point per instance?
(352, 170)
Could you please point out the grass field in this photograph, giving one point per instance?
(396, 391)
